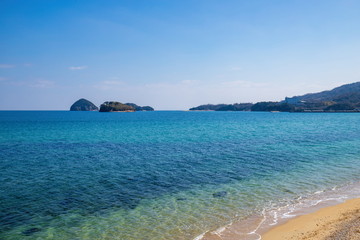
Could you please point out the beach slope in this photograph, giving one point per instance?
(338, 222)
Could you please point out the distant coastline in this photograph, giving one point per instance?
(345, 99)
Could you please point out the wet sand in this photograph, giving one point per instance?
(337, 222)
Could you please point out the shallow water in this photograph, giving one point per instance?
(165, 175)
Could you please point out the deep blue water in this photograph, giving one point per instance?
(67, 175)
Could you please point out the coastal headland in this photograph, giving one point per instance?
(345, 98)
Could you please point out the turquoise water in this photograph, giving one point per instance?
(163, 175)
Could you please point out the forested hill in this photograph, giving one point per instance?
(223, 107)
(349, 93)
(345, 98)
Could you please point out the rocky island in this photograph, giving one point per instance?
(109, 106)
(83, 105)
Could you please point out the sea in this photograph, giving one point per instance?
(170, 174)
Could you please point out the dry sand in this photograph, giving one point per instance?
(339, 222)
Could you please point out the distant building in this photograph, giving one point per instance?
(293, 100)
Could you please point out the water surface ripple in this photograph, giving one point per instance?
(163, 175)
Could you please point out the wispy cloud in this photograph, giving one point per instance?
(7, 66)
(243, 84)
(3, 79)
(109, 84)
(43, 84)
(112, 82)
(78, 67)
(40, 83)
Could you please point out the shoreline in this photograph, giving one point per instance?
(279, 219)
(329, 222)
(341, 221)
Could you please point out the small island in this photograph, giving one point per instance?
(139, 108)
(83, 105)
(108, 106)
(116, 107)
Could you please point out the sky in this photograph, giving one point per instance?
(173, 55)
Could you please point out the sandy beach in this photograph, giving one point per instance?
(337, 222)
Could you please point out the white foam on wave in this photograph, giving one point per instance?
(200, 236)
(282, 211)
(275, 219)
(306, 204)
(216, 232)
(254, 232)
(262, 221)
(312, 202)
(219, 230)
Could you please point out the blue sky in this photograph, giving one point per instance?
(173, 54)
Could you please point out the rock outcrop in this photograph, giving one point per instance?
(83, 105)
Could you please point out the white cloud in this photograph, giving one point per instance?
(78, 67)
(112, 82)
(243, 84)
(42, 84)
(109, 84)
(7, 66)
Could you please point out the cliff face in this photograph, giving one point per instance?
(83, 105)
(115, 107)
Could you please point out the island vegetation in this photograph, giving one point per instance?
(83, 105)
(223, 107)
(109, 106)
(116, 107)
(345, 98)
(139, 108)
